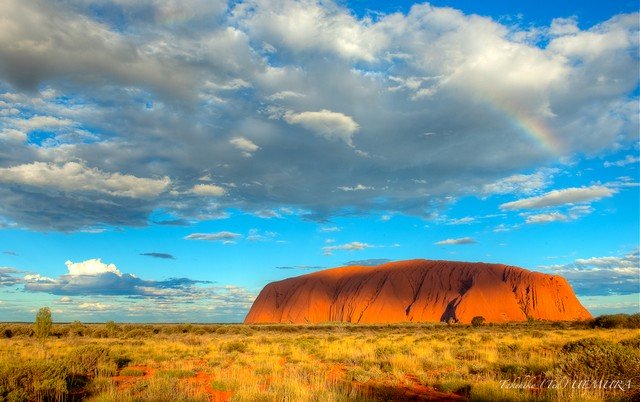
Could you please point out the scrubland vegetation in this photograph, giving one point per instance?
(130, 362)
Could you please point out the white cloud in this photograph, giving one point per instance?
(561, 197)
(128, 292)
(12, 135)
(246, 146)
(330, 229)
(37, 278)
(311, 27)
(328, 124)
(628, 160)
(355, 245)
(39, 122)
(91, 267)
(93, 306)
(224, 237)
(285, 95)
(256, 235)
(377, 82)
(564, 26)
(501, 228)
(267, 214)
(571, 214)
(461, 221)
(210, 190)
(546, 218)
(462, 240)
(76, 177)
(521, 183)
(602, 275)
(358, 187)
(579, 211)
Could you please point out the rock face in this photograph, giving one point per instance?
(417, 291)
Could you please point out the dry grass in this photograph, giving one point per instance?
(314, 363)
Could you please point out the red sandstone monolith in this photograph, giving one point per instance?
(417, 291)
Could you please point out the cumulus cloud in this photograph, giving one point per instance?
(521, 183)
(304, 78)
(93, 277)
(628, 160)
(257, 235)
(570, 214)
(210, 190)
(9, 276)
(43, 122)
(246, 146)
(310, 27)
(95, 287)
(357, 187)
(302, 267)
(91, 267)
(76, 177)
(164, 256)
(458, 241)
(355, 245)
(561, 197)
(369, 262)
(610, 275)
(462, 221)
(224, 237)
(330, 229)
(328, 124)
(267, 214)
(546, 218)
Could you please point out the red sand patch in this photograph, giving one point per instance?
(202, 381)
(126, 381)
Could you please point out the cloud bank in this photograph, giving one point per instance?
(93, 132)
(600, 276)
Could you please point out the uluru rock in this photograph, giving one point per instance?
(417, 291)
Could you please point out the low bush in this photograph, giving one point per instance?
(235, 346)
(618, 321)
(594, 358)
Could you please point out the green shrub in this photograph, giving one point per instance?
(235, 346)
(594, 358)
(112, 328)
(76, 329)
(121, 361)
(84, 360)
(631, 342)
(137, 333)
(385, 351)
(42, 327)
(478, 321)
(39, 380)
(618, 321)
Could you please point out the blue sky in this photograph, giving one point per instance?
(163, 161)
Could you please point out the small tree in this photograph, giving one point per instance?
(76, 329)
(112, 328)
(478, 321)
(43, 323)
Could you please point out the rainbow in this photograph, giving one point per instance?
(534, 128)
